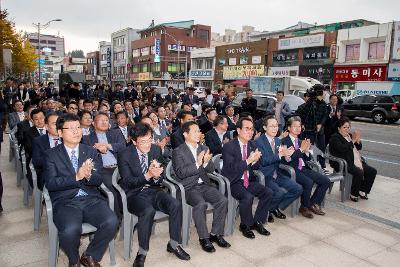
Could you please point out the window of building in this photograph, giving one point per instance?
(115, 70)
(208, 63)
(135, 53)
(171, 67)
(43, 41)
(144, 67)
(198, 64)
(203, 34)
(376, 50)
(33, 40)
(352, 52)
(103, 57)
(154, 67)
(135, 68)
(51, 42)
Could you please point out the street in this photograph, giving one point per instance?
(381, 146)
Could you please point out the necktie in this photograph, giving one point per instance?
(143, 163)
(40, 131)
(191, 99)
(125, 132)
(74, 160)
(56, 142)
(296, 146)
(273, 146)
(246, 172)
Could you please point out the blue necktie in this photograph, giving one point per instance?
(74, 161)
(143, 163)
(40, 131)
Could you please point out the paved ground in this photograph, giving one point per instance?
(351, 234)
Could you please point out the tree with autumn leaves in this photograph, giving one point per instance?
(23, 54)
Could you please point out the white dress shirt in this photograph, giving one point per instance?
(194, 153)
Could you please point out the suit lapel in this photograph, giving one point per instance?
(82, 155)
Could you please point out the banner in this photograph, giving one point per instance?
(394, 72)
(242, 72)
(301, 42)
(157, 45)
(396, 41)
(284, 71)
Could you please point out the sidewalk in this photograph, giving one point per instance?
(366, 233)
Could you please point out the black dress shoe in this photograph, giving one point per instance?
(139, 260)
(270, 218)
(246, 231)
(278, 214)
(219, 239)
(259, 227)
(206, 245)
(179, 252)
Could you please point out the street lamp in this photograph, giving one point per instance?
(39, 27)
(179, 63)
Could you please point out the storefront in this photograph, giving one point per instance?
(394, 72)
(318, 64)
(202, 78)
(322, 73)
(344, 77)
(237, 62)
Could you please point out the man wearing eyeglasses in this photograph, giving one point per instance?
(142, 179)
(72, 177)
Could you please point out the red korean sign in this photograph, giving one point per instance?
(359, 73)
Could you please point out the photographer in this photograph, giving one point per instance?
(313, 113)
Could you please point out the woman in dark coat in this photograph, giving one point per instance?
(347, 146)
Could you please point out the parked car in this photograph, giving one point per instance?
(377, 107)
(346, 94)
(262, 103)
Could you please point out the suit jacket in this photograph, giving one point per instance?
(185, 169)
(206, 127)
(129, 129)
(13, 120)
(234, 166)
(331, 122)
(39, 147)
(114, 137)
(60, 176)
(177, 138)
(29, 135)
(22, 127)
(130, 95)
(231, 124)
(249, 105)
(132, 178)
(341, 148)
(214, 143)
(285, 110)
(269, 161)
(186, 99)
(220, 104)
(170, 98)
(296, 156)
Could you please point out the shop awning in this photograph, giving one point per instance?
(240, 82)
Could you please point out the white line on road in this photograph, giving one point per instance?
(384, 161)
(378, 142)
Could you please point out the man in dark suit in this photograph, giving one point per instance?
(171, 96)
(165, 125)
(190, 97)
(221, 102)
(38, 129)
(117, 94)
(285, 191)
(218, 136)
(304, 175)
(334, 113)
(43, 143)
(230, 115)
(249, 103)
(191, 163)
(130, 92)
(206, 126)
(240, 159)
(142, 175)
(72, 177)
(177, 137)
(123, 125)
(24, 126)
(108, 143)
(17, 116)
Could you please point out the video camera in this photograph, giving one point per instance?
(315, 90)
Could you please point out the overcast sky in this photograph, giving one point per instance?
(86, 22)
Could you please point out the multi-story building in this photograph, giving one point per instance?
(162, 54)
(92, 66)
(105, 61)
(394, 65)
(50, 45)
(202, 67)
(362, 55)
(121, 52)
(232, 37)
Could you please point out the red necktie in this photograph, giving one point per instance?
(246, 172)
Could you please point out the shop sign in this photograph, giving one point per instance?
(242, 72)
(360, 73)
(301, 42)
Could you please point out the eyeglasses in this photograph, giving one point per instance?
(74, 129)
(145, 142)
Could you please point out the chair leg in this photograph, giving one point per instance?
(128, 229)
(112, 252)
(25, 186)
(37, 209)
(187, 216)
(53, 245)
